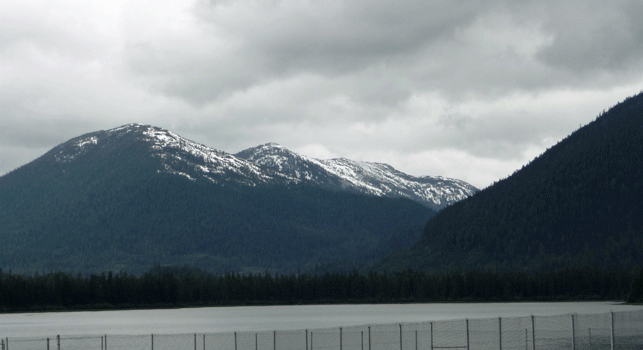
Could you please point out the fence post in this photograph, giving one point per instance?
(152, 340)
(612, 327)
(257, 342)
(105, 341)
(47, 344)
(340, 338)
(369, 337)
(274, 340)
(306, 340)
(500, 333)
(235, 340)
(58, 340)
(573, 334)
(416, 340)
(467, 333)
(194, 341)
(362, 340)
(401, 336)
(533, 333)
(2, 344)
(204, 342)
(431, 335)
(311, 340)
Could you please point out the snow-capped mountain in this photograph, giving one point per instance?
(274, 156)
(365, 177)
(138, 195)
(177, 155)
(269, 163)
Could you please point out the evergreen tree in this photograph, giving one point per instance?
(636, 292)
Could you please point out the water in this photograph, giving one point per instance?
(269, 318)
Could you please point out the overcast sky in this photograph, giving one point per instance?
(465, 89)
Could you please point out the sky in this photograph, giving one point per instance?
(471, 90)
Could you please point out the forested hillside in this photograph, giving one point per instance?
(580, 203)
(129, 198)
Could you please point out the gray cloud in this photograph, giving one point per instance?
(247, 43)
(592, 37)
(383, 52)
(462, 89)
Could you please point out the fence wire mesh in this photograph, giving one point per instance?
(615, 330)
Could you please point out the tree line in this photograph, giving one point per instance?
(175, 287)
(636, 292)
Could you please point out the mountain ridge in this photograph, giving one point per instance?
(134, 196)
(378, 179)
(176, 153)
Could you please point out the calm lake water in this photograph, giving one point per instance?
(268, 318)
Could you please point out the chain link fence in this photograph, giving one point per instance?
(615, 330)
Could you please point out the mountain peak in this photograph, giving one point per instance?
(267, 148)
(272, 145)
(171, 154)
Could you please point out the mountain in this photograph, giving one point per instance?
(138, 195)
(164, 150)
(361, 177)
(579, 203)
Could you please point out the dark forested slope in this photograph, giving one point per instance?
(579, 203)
(135, 196)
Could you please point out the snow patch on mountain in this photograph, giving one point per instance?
(384, 180)
(179, 156)
(205, 160)
(268, 163)
(376, 179)
(78, 146)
